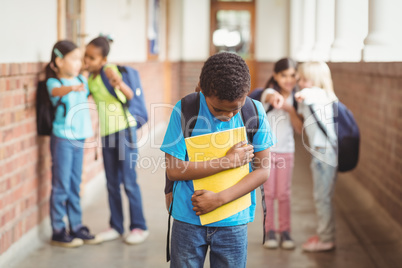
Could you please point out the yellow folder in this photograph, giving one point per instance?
(211, 146)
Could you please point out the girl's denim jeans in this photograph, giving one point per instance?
(67, 156)
(228, 246)
(324, 177)
(120, 160)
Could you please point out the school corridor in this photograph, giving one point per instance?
(366, 236)
(168, 41)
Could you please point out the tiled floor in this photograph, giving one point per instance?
(355, 247)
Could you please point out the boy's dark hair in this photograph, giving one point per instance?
(226, 76)
(60, 49)
(280, 65)
(102, 42)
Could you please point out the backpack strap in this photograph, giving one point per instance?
(320, 125)
(108, 86)
(251, 120)
(190, 106)
(111, 90)
(249, 114)
(59, 102)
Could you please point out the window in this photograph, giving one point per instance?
(232, 32)
(153, 29)
(232, 27)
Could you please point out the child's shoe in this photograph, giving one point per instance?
(286, 241)
(64, 239)
(136, 236)
(315, 245)
(84, 234)
(271, 242)
(109, 235)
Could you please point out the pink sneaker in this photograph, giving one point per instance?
(315, 245)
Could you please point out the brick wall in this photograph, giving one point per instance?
(373, 92)
(25, 161)
(189, 76)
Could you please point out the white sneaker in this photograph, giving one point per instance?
(136, 236)
(108, 235)
(271, 242)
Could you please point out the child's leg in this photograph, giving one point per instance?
(324, 177)
(284, 172)
(111, 162)
(228, 246)
(73, 205)
(62, 161)
(270, 195)
(131, 186)
(188, 245)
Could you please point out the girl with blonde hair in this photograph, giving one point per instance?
(316, 97)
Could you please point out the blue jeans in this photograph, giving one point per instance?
(67, 159)
(120, 158)
(228, 245)
(324, 177)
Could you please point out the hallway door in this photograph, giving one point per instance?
(71, 21)
(233, 29)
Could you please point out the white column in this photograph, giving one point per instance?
(307, 30)
(324, 29)
(196, 27)
(295, 18)
(175, 30)
(350, 29)
(384, 40)
(271, 43)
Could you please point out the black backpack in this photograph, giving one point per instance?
(348, 135)
(45, 111)
(190, 106)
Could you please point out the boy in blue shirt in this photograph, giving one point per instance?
(224, 83)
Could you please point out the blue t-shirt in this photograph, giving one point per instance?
(76, 125)
(174, 145)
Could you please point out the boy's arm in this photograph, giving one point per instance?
(179, 170)
(205, 201)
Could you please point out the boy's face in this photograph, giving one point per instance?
(224, 110)
(93, 59)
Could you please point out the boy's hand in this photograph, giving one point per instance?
(239, 155)
(114, 78)
(205, 201)
(79, 87)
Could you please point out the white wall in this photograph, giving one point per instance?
(272, 30)
(195, 38)
(28, 30)
(125, 20)
(175, 31)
